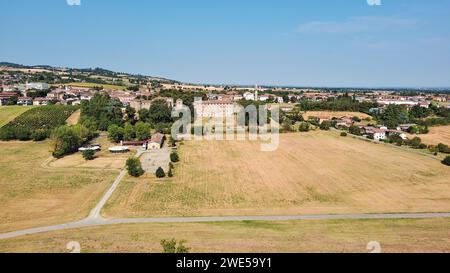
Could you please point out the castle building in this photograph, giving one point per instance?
(214, 108)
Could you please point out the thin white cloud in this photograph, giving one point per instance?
(374, 2)
(356, 24)
(73, 2)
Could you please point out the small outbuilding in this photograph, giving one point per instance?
(157, 141)
(119, 149)
(94, 148)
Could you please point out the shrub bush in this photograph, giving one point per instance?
(174, 157)
(355, 130)
(160, 173)
(415, 142)
(134, 167)
(442, 148)
(325, 126)
(22, 134)
(344, 134)
(89, 155)
(304, 127)
(7, 134)
(40, 135)
(446, 161)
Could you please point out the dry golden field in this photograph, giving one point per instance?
(439, 134)
(91, 85)
(33, 195)
(312, 173)
(331, 114)
(249, 237)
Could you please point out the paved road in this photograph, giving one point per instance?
(95, 213)
(90, 222)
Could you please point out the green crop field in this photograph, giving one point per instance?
(9, 113)
(41, 118)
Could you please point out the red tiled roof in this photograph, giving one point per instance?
(158, 138)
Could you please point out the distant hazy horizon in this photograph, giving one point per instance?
(309, 43)
(444, 88)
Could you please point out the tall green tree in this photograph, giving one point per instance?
(129, 132)
(67, 139)
(103, 110)
(394, 115)
(144, 115)
(142, 130)
(130, 115)
(159, 112)
(115, 133)
(134, 167)
(419, 112)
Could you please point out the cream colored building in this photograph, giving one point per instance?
(214, 108)
(145, 104)
(140, 104)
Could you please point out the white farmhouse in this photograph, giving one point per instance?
(376, 133)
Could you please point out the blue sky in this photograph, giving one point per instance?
(283, 42)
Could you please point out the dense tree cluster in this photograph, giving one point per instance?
(343, 103)
(442, 119)
(394, 115)
(415, 143)
(102, 112)
(141, 131)
(67, 139)
(37, 93)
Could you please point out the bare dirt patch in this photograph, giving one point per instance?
(74, 118)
